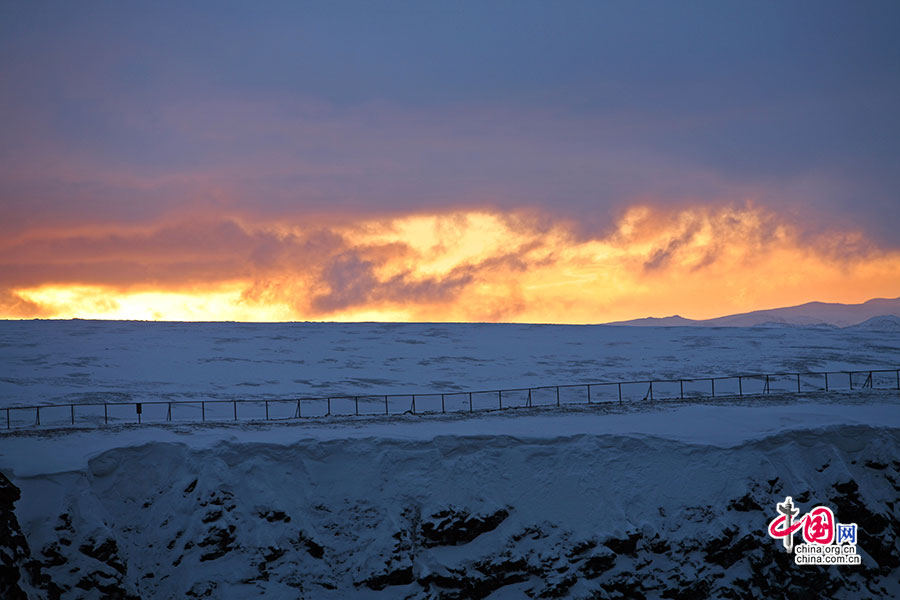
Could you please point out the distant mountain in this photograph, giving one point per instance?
(878, 313)
(880, 323)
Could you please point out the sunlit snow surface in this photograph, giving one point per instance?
(644, 499)
(95, 361)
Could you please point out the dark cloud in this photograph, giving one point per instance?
(661, 256)
(348, 109)
(350, 281)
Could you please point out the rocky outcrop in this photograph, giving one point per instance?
(21, 575)
(14, 551)
(219, 535)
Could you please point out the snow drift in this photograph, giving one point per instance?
(661, 503)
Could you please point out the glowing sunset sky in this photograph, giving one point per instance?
(469, 161)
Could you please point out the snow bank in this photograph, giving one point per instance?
(661, 502)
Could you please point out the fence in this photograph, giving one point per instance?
(450, 402)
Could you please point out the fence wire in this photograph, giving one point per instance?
(299, 408)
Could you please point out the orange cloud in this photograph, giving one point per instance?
(474, 265)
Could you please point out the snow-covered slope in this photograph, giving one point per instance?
(661, 502)
(96, 361)
(881, 323)
(654, 500)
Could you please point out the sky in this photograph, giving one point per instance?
(567, 162)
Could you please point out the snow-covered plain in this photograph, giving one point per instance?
(653, 499)
(47, 362)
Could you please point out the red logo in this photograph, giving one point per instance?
(819, 527)
(818, 524)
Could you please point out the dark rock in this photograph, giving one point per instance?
(402, 576)
(597, 565)
(53, 556)
(875, 536)
(725, 552)
(559, 589)
(174, 540)
(220, 540)
(626, 586)
(875, 465)
(273, 554)
(106, 552)
(14, 551)
(454, 528)
(211, 516)
(695, 590)
(110, 587)
(274, 515)
(846, 488)
(497, 574)
(581, 547)
(16, 561)
(312, 548)
(658, 546)
(626, 546)
(65, 522)
(745, 503)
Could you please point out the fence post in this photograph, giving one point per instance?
(850, 376)
(328, 414)
(385, 404)
(37, 419)
(470, 401)
(414, 404)
(589, 393)
(798, 383)
(203, 410)
(72, 406)
(651, 391)
(681, 385)
(442, 404)
(620, 393)
(235, 409)
(740, 387)
(267, 410)
(7, 419)
(766, 389)
(557, 395)
(500, 398)
(169, 413)
(712, 380)
(105, 414)
(298, 409)
(356, 402)
(826, 381)
(898, 379)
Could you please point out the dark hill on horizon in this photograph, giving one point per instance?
(810, 314)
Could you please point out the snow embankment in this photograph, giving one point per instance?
(670, 502)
